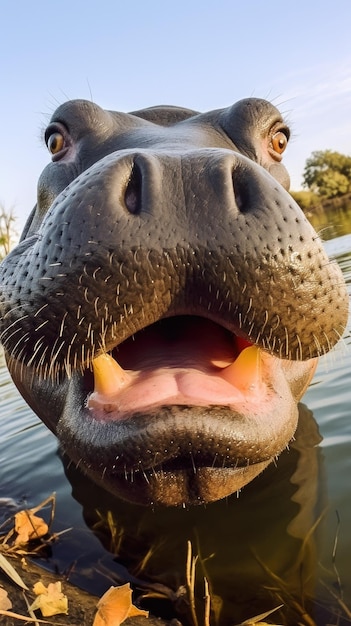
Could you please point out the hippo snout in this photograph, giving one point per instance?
(165, 307)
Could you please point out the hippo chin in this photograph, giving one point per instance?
(168, 300)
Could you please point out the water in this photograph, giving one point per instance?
(243, 543)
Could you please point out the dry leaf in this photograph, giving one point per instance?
(115, 606)
(50, 600)
(256, 621)
(6, 566)
(5, 602)
(39, 588)
(29, 527)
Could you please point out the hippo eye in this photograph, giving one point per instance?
(58, 140)
(279, 142)
(55, 142)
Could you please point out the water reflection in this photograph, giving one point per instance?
(332, 222)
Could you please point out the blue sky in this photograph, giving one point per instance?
(200, 54)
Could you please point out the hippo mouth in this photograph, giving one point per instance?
(184, 411)
(181, 360)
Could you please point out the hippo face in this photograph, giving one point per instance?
(165, 307)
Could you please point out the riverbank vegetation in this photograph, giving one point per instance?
(327, 182)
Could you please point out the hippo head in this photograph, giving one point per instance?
(165, 307)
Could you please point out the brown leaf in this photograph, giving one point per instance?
(50, 600)
(115, 606)
(29, 527)
(5, 602)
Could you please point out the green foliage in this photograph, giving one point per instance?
(305, 199)
(328, 173)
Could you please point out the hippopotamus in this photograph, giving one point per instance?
(166, 305)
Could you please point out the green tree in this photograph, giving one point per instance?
(328, 173)
(305, 199)
(8, 234)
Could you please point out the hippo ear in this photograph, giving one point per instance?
(28, 223)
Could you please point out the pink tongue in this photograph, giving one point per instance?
(121, 392)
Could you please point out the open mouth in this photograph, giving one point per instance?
(183, 360)
(184, 411)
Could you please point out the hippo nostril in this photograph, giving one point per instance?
(241, 193)
(132, 196)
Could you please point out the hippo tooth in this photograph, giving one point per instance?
(109, 377)
(245, 372)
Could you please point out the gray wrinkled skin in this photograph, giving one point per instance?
(158, 214)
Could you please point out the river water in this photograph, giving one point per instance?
(274, 544)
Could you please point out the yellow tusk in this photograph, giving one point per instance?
(245, 372)
(109, 377)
